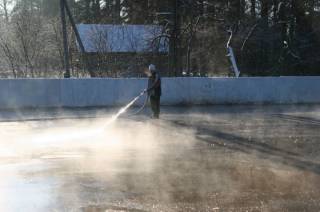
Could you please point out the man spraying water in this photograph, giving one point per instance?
(154, 93)
(154, 90)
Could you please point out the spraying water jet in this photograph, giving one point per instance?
(125, 108)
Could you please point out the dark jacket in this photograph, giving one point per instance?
(154, 85)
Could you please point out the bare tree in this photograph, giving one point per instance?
(28, 29)
(8, 51)
(4, 5)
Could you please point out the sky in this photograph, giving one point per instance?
(10, 4)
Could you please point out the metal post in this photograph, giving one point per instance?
(173, 38)
(80, 43)
(176, 34)
(73, 24)
(65, 39)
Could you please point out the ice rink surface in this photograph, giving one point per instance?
(219, 158)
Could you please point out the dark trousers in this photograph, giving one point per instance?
(155, 105)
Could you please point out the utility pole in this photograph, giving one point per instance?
(65, 39)
(174, 46)
(80, 43)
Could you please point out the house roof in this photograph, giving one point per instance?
(122, 38)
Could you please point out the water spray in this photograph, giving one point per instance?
(88, 133)
(124, 109)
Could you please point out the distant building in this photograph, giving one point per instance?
(123, 50)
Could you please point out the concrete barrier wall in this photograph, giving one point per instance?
(115, 92)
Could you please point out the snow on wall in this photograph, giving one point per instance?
(17, 93)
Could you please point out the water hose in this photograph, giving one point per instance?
(142, 107)
(124, 109)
